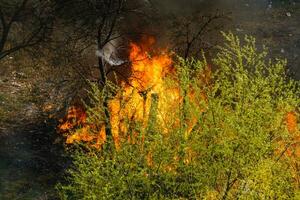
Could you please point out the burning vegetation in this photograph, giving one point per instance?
(183, 131)
(145, 96)
(142, 98)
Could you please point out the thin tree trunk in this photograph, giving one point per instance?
(103, 83)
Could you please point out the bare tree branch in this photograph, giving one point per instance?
(40, 25)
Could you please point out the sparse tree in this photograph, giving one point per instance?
(23, 24)
(191, 32)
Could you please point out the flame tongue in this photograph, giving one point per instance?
(148, 72)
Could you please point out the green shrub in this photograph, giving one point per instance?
(233, 150)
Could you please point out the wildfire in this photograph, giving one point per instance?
(144, 97)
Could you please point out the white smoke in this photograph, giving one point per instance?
(109, 53)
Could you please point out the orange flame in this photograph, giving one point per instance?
(293, 150)
(147, 71)
(144, 97)
(292, 127)
(291, 122)
(76, 116)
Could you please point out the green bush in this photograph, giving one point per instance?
(234, 149)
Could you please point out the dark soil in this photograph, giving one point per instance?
(31, 161)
